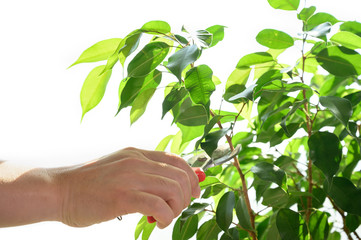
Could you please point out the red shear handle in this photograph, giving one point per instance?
(201, 177)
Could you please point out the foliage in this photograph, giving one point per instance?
(300, 121)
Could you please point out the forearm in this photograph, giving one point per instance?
(27, 195)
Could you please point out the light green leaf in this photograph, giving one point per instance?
(294, 108)
(181, 59)
(176, 95)
(351, 26)
(242, 214)
(156, 27)
(99, 51)
(274, 39)
(269, 172)
(93, 88)
(284, 4)
(318, 225)
(347, 39)
(164, 143)
(288, 224)
(209, 181)
(254, 58)
(224, 212)
(144, 228)
(140, 104)
(306, 13)
(177, 146)
(148, 59)
(198, 82)
(340, 107)
(217, 32)
(325, 152)
(319, 18)
(208, 231)
(128, 46)
(340, 61)
(236, 82)
(193, 116)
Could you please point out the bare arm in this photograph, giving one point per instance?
(130, 180)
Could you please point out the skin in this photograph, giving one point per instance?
(130, 180)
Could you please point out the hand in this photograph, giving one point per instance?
(131, 180)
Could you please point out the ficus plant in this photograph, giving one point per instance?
(297, 175)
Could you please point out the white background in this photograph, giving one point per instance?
(39, 98)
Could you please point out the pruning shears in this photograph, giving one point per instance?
(202, 160)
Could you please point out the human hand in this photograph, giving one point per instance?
(131, 180)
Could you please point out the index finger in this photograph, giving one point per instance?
(178, 162)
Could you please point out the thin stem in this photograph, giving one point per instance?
(342, 213)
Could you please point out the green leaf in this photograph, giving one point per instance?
(351, 26)
(145, 228)
(283, 86)
(274, 39)
(186, 230)
(192, 210)
(208, 128)
(136, 86)
(164, 143)
(236, 82)
(254, 58)
(269, 172)
(128, 46)
(193, 116)
(318, 225)
(340, 61)
(176, 95)
(99, 51)
(156, 27)
(209, 181)
(325, 152)
(345, 195)
(334, 236)
(224, 212)
(242, 214)
(211, 140)
(347, 39)
(306, 13)
(198, 82)
(295, 106)
(319, 18)
(93, 88)
(320, 30)
(217, 32)
(340, 107)
(140, 104)
(288, 224)
(276, 197)
(284, 4)
(354, 98)
(208, 231)
(181, 59)
(203, 38)
(352, 222)
(148, 59)
(247, 94)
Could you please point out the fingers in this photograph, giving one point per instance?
(177, 162)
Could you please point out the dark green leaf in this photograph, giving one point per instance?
(156, 27)
(352, 222)
(99, 51)
(217, 32)
(354, 98)
(340, 107)
(193, 209)
(246, 94)
(254, 58)
(181, 59)
(320, 30)
(232, 235)
(127, 47)
(198, 82)
(193, 116)
(318, 225)
(274, 39)
(351, 26)
(93, 88)
(340, 61)
(185, 230)
(325, 152)
(236, 82)
(176, 95)
(211, 140)
(284, 4)
(345, 195)
(288, 224)
(306, 13)
(276, 197)
(319, 18)
(347, 39)
(208, 231)
(213, 190)
(295, 106)
(147, 59)
(224, 212)
(242, 214)
(208, 128)
(269, 172)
